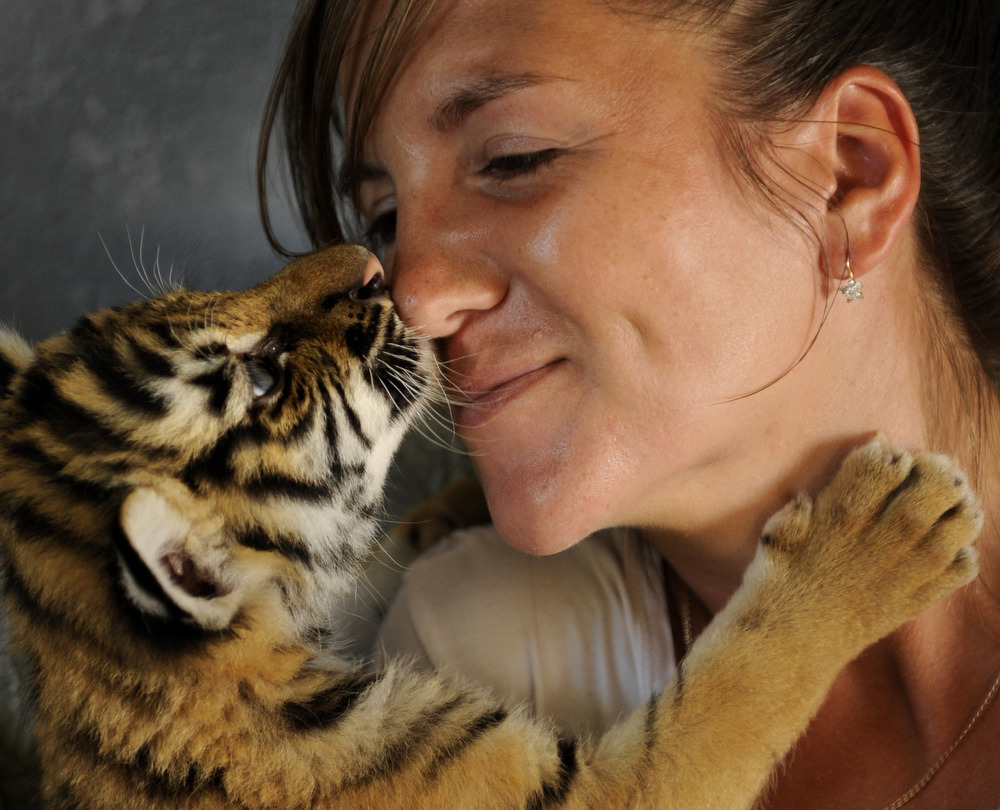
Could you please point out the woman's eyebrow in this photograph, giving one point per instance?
(472, 94)
(468, 96)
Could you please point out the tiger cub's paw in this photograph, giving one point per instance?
(888, 537)
(458, 506)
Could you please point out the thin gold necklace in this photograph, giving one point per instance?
(687, 636)
(932, 771)
(684, 608)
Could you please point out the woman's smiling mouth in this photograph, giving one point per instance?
(483, 400)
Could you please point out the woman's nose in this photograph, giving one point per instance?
(441, 279)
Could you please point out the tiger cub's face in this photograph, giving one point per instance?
(225, 448)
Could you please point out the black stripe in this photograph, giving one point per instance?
(476, 729)
(39, 400)
(286, 336)
(297, 400)
(160, 786)
(327, 708)
(31, 526)
(51, 469)
(414, 739)
(348, 554)
(568, 769)
(360, 337)
(397, 389)
(46, 621)
(553, 795)
(287, 398)
(276, 484)
(330, 428)
(397, 374)
(94, 344)
(216, 464)
(402, 356)
(331, 301)
(410, 381)
(62, 796)
(352, 415)
(147, 785)
(351, 474)
(32, 455)
(115, 378)
(87, 327)
(40, 617)
(153, 363)
(213, 350)
(164, 331)
(304, 422)
(219, 384)
(259, 540)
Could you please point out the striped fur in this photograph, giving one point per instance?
(188, 482)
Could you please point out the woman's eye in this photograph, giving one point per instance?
(381, 233)
(263, 376)
(508, 167)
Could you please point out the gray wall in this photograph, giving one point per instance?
(129, 121)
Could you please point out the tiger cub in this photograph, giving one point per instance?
(188, 482)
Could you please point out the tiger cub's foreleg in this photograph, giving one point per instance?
(885, 540)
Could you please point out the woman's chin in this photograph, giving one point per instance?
(537, 539)
(539, 522)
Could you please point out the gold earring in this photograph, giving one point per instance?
(851, 288)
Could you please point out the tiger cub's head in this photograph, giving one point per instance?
(186, 457)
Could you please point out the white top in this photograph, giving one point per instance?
(583, 636)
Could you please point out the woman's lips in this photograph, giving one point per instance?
(482, 402)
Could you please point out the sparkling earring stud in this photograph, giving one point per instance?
(851, 288)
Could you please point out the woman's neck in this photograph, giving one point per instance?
(710, 554)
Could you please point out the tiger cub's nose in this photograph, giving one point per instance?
(373, 282)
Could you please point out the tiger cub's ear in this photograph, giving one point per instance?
(15, 355)
(176, 560)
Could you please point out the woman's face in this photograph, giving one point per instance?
(601, 285)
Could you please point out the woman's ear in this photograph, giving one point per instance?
(861, 143)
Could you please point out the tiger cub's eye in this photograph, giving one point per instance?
(263, 376)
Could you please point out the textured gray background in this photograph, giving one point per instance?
(135, 122)
(129, 117)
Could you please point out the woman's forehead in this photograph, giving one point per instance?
(471, 52)
(484, 37)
